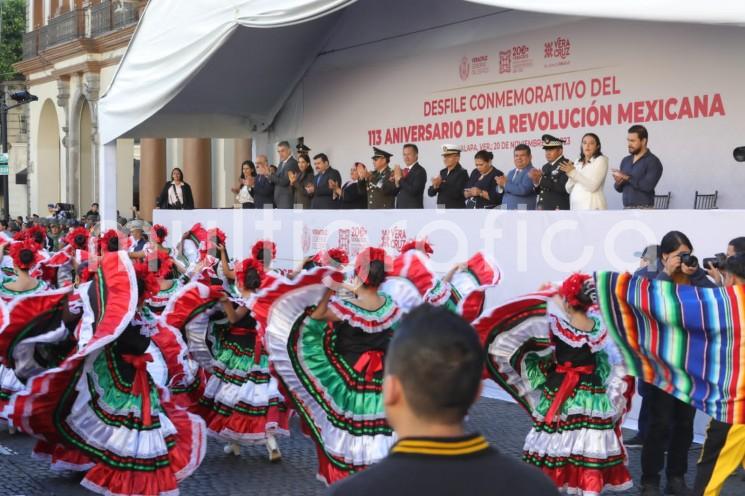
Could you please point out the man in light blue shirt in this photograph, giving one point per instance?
(517, 184)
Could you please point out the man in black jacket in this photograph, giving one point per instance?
(433, 369)
(325, 183)
(352, 194)
(263, 187)
(448, 186)
(551, 182)
(410, 181)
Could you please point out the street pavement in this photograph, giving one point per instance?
(504, 424)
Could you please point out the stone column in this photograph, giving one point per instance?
(152, 173)
(198, 170)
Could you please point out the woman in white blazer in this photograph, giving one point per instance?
(587, 178)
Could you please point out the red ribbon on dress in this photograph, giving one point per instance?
(369, 362)
(258, 342)
(571, 378)
(141, 383)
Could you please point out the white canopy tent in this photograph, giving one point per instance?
(179, 76)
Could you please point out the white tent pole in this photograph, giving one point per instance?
(107, 184)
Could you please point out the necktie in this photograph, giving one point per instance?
(318, 180)
(406, 172)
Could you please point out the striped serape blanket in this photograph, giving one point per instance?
(686, 340)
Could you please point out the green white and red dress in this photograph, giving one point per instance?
(9, 383)
(332, 371)
(242, 402)
(100, 411)
(573, 384)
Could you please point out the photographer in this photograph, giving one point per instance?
(176, 194)
(713, 266)
(668, 414)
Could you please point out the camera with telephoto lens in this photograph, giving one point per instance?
(688, 260)
(716, 262)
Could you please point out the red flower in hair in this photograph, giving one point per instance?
(418, 244)
(244, 266)
(28, 246)
(78, 231)
(198, 232)
(103, 243)
(258, 248)
(572, 288)
(339, 255)
(216, 235)
(365, 258)
(158, 233)
(148, 278)
(331, 258)
(31, 233)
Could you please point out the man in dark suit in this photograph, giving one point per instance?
(551, 182)
(381, 191)
(448, 186)
(325, 184)
(283, 192)
(263, 187)
(410, 181)
(352, 194)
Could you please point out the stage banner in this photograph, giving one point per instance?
(556, 75)
(531, 247)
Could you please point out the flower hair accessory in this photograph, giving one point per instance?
(148, 278)
(103, 243)
(242, 267)
(216, 235)
(159, 233)
(257, 250)
(418, 244)
(81, 234)
(576, 285)
(331, 258)
(34, 233)
(365, 258)
(17, 249)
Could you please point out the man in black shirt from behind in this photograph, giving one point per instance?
(433, 373)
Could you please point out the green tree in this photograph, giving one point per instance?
(12, 27)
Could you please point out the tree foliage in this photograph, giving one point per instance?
(11, 36)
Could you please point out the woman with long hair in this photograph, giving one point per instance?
(176, 193)
(244, 189)
(300, 180)
(587, 177)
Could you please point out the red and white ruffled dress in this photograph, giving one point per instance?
(574, 385)
(332, 371)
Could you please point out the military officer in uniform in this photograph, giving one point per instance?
(550, 182)
(381, 190)
(301, 147)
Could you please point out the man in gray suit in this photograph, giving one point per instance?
(283, 192)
